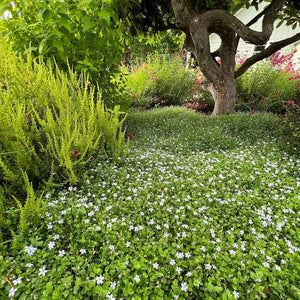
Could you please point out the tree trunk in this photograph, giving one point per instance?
(224, 94)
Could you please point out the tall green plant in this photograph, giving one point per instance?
(51, 123)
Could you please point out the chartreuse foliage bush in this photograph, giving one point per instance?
(51, 125)
(202, 209)
(160, 80)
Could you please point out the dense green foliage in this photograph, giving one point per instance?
(203, 208)
(161, 79)
(87, 35)
(51, 123)
(291, 125)
(143, 46)
(266, 88)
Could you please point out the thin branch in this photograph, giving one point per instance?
(274, 47)
(255, 19)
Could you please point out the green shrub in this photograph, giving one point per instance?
(291, 125)
(265, 88)
(51, 123)
(87, 35)
(161, 79)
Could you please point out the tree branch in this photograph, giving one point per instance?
(274, 47)
(255, 19)
(215, 19)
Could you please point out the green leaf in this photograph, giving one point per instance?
(65, 23)
(105, 14)
(84, 3)
(58, 44)
(42, 45)
(88, 25)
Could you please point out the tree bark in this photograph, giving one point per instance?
(224, 95)
(198, 23)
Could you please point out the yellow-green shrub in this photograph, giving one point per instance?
(161, 78)
(51, 123)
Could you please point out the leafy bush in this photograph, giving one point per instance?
(86, 35)
(141, 47)
(51, 123)
(291, 125)
(161, 79)
(266, 87)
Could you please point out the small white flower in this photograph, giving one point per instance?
(178, 270)
(99, 279)
(128, 244)
(17, 281)
(61, 253)
(236, 294)
(184, 286)
(113, 285)
(111, 247)
(172, 262)
(51, 245)
(265, 264)
(91, 213)
(82, 251)
(155, 266)
(277, 268)
(12, 292)
(231, 252)
(110, 296)
(42, 271)
(137, 278)
(179, 255)
(30, 250)
(29, 265)
(56, 237)
(166, 235)
(188, 274)
(203, 248)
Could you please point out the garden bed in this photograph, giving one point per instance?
(202, 208)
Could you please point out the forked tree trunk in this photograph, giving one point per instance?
(198, 22)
